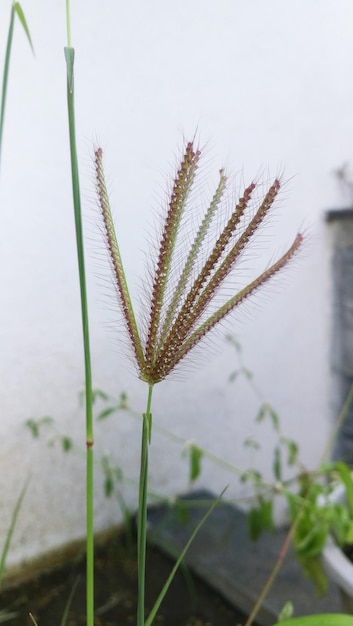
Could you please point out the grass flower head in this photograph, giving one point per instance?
(182, 305)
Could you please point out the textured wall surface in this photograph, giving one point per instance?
(267, 87)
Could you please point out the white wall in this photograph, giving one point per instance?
(268, 87)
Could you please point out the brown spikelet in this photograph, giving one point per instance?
(181, 189)
(117, 265)
(192, 256)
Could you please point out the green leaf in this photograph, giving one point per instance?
(21, 17)
(346, 476)
(66, 443)
(252, 443)
(327, 619)
(99, 393)
(277, 464)
(34, 425)
(247, 373)
(234, 341)
(108, 485)
(313, 568)
(196, 455)
(233, 376)
(124, 402)
(349, 536)
(182, 512)
(259, 519)
(267, 410)
(106, 412)
(341, 524)
(267, 516)
(293, 449)
(274, 417)
(313, 538)
(118, 473)
(261, 413)
(251, 474)
(254, 524)
(286, 612)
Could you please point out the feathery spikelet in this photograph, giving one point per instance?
(177, 322)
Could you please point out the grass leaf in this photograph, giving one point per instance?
(328, 619)
(11, 529)
(180, 558)
(21, 17)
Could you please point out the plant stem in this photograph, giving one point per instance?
(142, 509)
(69, 55)
(6, 73)
(68, 24)
(274, 573)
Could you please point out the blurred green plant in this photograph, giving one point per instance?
(306, 493)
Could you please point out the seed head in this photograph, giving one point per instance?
(179, 314)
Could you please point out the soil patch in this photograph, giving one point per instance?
(189, 602)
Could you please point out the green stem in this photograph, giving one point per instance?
(6, 73)
(68, 24)
(69, 56)
(142, 509)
